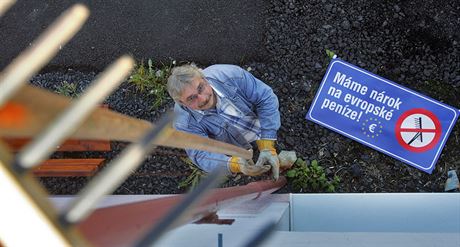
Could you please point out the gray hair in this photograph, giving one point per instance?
(181, 77)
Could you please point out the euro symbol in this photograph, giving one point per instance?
(372, 128)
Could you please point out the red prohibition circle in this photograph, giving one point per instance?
(437, 131)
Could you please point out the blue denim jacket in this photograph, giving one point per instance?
(250, 95)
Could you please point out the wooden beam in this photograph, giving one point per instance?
(32, 109)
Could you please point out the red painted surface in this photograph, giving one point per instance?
(123, 225)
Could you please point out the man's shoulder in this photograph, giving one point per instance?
(223, 67)
(182, 116)
(218, 71)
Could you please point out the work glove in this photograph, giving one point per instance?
(246, 167)
(268, 155)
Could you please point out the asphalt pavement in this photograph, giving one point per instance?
(205, 31)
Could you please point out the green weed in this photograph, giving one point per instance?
(67, 89)
(152, 80)
(194, 178)
(330, 54)
(310, 178)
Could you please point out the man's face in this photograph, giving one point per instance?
(198, 95)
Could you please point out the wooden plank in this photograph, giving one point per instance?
(16, 144)
(64, 167)
(59, 162)
(68, 167)
(88, 173)
(85, 145)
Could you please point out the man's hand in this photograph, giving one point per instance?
(246, 167)
(268, 155)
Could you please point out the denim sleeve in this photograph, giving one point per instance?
(207, 161)
(265, 100)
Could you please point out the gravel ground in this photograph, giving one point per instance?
(414, 43)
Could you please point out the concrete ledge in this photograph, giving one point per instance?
(379, 212)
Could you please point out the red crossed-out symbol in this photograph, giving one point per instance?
(418, 130)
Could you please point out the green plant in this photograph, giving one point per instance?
(194, 178)
(311, 178)
(330, 54)
(152, 80)
(67, 89)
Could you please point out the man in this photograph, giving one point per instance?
(228, 104)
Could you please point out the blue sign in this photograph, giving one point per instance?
(383, 115)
